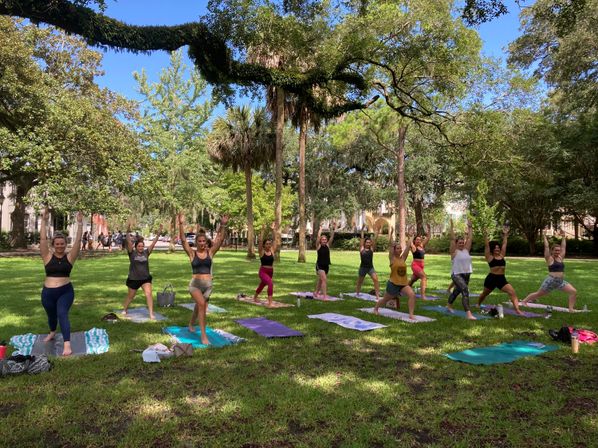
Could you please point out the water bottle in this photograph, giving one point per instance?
(501, 311)
(575, 341)
(585, 308)
(298, 302)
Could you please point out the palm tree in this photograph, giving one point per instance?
(243, 142)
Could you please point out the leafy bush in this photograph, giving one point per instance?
(4, 241)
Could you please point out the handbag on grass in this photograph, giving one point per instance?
(181, 349)
(166, 297)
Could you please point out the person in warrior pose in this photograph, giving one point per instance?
(367, 246)
(398, 283)
(200, 286)
(323, 262)
(418, 251)
(139, 274)
(58, 294)
(495, 256)
(462, 268)
(266, 249)
(556, 272)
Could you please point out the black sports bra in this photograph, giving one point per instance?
(497, 262)
(556, 266)
(267, 260)
(58, 267)
(418, 254)
(201, 265)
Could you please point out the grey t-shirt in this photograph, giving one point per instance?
(139, 267)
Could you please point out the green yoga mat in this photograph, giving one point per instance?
(501, 353)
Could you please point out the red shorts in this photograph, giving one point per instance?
(417, 266)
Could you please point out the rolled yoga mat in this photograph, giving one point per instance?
(268, 328)
(94, 341)
(217, 338)
(350, 322)
(398, 315)
(456, 313)
(140, 315)
(310, 295)
(501, 353)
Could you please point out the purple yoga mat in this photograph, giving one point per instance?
(511, 312)
(268, 328)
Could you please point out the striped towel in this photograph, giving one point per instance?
(23, 343)
(96, 341)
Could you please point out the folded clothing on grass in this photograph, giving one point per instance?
(268, 328)
(501, 353)
(217, 338)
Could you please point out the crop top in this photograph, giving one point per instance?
(418, 254)
(201, 265)
(497, 262)
(58, 267)
(556, 266)
(267, 260)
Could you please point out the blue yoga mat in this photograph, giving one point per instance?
(217, 338)
(268, 328)
(458, 313)
(502, 353)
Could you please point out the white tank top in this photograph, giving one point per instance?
(462, 262)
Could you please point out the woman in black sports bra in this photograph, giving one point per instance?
(200, 286)
(266, 249)
(323, 262)
(58, 294)
(556, 273)
(495, 256)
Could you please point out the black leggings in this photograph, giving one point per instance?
(461, 282)
(58, 302)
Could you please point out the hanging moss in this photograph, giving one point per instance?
(209, 53)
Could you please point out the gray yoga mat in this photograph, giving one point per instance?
(139, 315)
(56, 345)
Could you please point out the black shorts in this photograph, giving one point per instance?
(136, 284)
(322, 268)
(495, 281)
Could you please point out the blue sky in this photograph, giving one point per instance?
(119, 66)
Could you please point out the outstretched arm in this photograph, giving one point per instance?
(375, 240)
(184, 243)
(318, 237)
(260, 242)
(428, 235)
(43, 238)
(276, 238)
(469, 240)
(546, 248)
(453, 245)
(563, 244)
(391, 244)
(411, 245)
(220, 236)
(487, 253)
(362, 241)
(408, 246)
(149, 249)
(505, 237)
(128, 238)
(332, 234)
(74, 253)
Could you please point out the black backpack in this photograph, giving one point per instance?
(562, 335)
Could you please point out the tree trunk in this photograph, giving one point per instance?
(278, 170)
(249, 198)
(400, 155)
(18, 239)
(302, 221)
(418, 206)
(316, 226)
(173, 233)
(531, 235)
(595, 236)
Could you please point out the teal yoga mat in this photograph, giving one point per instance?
(217, 338)
(502, 353)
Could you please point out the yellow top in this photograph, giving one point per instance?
(398, 272)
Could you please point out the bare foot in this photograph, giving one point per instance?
(67, 349)
(471, 316)
(518, 311)
(424, 298)
(376, 309)
(152, 317)
(256, 300)
(191, 328)
(205, 340)
(124, 312)
(450, 309)
(50, 336)
(572, 310)
(411, 317)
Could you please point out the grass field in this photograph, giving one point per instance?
(332, 388)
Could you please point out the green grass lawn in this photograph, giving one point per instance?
(332, 388)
